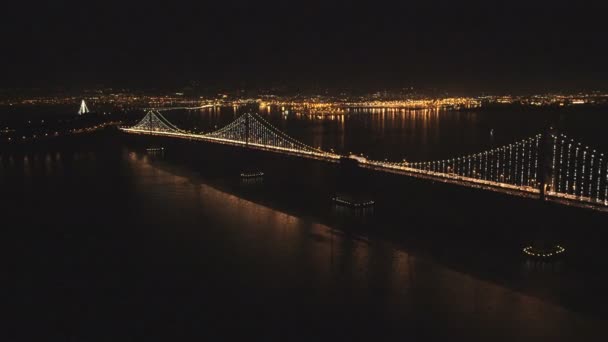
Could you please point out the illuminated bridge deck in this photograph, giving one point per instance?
(568, 173)
(329, 157)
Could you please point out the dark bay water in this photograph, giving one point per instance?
(107, 242)
(396, 134)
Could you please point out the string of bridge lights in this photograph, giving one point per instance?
(285, 136)
(155, 121)
(588, 167)
(254, 129)
(248, 129)
(515, 164)
(577, 172)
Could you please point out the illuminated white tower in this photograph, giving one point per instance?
(83, 108)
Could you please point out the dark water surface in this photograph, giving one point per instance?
(107, 242)
(415, 135)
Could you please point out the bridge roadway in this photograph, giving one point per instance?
(522, 191)
(510, 189)
(324, 156)
(400, 169)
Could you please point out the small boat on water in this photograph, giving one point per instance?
(155, 149)
(252, 174)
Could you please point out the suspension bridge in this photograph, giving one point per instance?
(549, 166)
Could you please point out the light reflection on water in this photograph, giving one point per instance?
(286, 252)
(267, 251)
(413, 134)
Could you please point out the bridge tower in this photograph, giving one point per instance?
(249, 163)
(83, 108)
(545, 245)
(546, 157)
(150, 123)
(247, 130)
(352, 185)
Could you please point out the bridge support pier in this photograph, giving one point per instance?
(349, 175)
(351, 190)
(544, 246)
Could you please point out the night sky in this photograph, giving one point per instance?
(472, 47)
